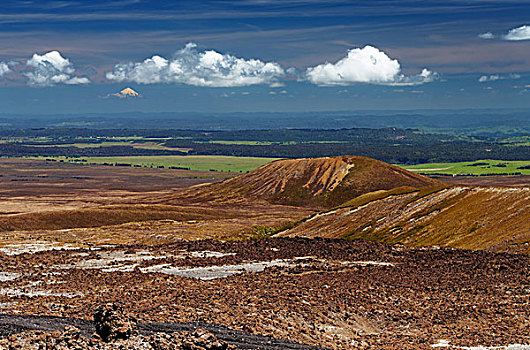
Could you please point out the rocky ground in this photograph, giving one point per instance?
(326, 293)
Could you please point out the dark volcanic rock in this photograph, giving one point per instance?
(114, 330)
(71, 339)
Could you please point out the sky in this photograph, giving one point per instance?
(74, 57)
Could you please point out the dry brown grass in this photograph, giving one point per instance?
(460, 217)
(370, 200)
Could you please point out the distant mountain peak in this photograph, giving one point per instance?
(127, 93)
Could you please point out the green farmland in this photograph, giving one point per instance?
(200, 163)
(478, 167)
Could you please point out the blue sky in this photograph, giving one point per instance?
(263, 55)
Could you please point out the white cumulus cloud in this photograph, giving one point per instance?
(519, 33)
(52, 69)
(494, 77)
(365, 65)
(426, 76)
(487, 35)
(199, 68)
(4, 69)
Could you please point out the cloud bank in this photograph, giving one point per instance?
(198, 68)
(51, 69)
(209, 68)
(365, 65)
(515, 34)
(520, 33)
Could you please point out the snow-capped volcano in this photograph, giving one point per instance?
(127, 93)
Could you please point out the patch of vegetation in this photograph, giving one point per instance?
(263, 231)
(260, 231)
(138, 145)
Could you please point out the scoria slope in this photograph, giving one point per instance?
(460, 217)
(312, 182)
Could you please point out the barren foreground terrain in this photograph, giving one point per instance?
(203, 257)
(329, 293)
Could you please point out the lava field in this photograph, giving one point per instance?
(336, 294)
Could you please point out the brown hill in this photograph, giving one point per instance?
(313, 182)
(460, 217)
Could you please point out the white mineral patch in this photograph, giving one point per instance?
(367, 263)
(9, 276)
(14, 292)
(120, 260)
(446, 344)
(206, 254)
(112, 260)
(222, 271)
(441, 344)
(35, 247)
(213, 272)
(8, 305)
(126, 262)
(30, 292)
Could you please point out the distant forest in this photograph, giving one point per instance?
(405, 146)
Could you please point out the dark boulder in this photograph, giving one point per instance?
(112, 323)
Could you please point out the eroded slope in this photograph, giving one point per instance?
(461, 217)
